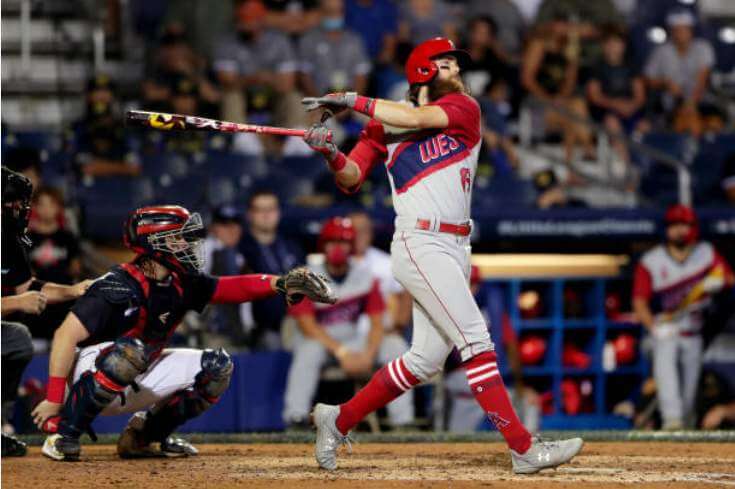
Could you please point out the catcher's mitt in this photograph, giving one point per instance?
(301, 282)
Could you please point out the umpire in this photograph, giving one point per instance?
(21, 294)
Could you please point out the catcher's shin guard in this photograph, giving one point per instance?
(210, 383)
(117, 367)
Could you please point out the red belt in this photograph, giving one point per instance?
(445, 227)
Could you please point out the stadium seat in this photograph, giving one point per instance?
(105, 202)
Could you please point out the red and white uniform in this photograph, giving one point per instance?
(665, 283)
(359, 294)
(431, 174)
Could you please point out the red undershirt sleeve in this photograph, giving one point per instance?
(242, 288)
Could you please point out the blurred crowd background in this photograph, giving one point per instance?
(591, 109)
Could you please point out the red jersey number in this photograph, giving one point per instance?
(466, 179)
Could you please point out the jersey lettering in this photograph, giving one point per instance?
(437, 147)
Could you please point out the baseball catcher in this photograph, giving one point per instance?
(122, 325)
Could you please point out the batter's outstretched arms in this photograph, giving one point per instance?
(395, 114)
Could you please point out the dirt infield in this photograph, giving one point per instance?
(383, 465)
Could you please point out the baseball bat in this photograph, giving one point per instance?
(178, 122)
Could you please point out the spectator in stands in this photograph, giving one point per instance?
(420, 20)
(257, 70)
(490, 61)
(615, 91)
(728, 179)
(222, 257)
(26, 161)
(680, 69)
(552, 193)
(265, 251)
(331, 334)
(397, 300)
(205, 22)
(333, 58)
(376, 21)
(175, 58)
(587, 17)
(496, 109)
(507, 18)
(100, 146)
(292, 16)
(54, 251)
(550, 71)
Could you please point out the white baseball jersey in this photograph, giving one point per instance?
(430, 171)
(359, 293)
(666, 282)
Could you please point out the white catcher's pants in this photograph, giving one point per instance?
(174, 370)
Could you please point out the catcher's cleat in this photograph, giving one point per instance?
(173, 446)
(328, 437)
(62, 448)
(132, 443)
(13, 447)
(545, 455)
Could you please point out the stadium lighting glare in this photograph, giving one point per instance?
(727, 35)
(657, 35)
(688, 2)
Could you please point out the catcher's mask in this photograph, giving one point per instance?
(17, 190)
(169, 234)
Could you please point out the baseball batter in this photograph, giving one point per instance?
(123, 323)
(673, 285)
(430, 151)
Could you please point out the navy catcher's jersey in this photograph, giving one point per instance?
(124, 302)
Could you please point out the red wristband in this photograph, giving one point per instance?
(56, 389)
(365, 105)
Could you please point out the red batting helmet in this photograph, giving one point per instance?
(170, 234)
(532, 350)
(337, 229)
(682, 214)
(420, 66)
(625, 348)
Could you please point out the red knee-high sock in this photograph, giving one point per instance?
(488, 388)
(388, 383)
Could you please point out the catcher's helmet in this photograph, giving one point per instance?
(17, 190)
(682, 214)
(420, 66)
(170, 234)
(337, 229)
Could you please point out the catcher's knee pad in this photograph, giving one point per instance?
(421, 367)
(123, 361)
(209, 384)
(214, 378)
(117, 367)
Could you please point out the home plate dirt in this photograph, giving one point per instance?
(383, 465)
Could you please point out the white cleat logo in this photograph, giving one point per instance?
(544, 457)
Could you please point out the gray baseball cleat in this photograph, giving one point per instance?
(545, 455)
(328, 437)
